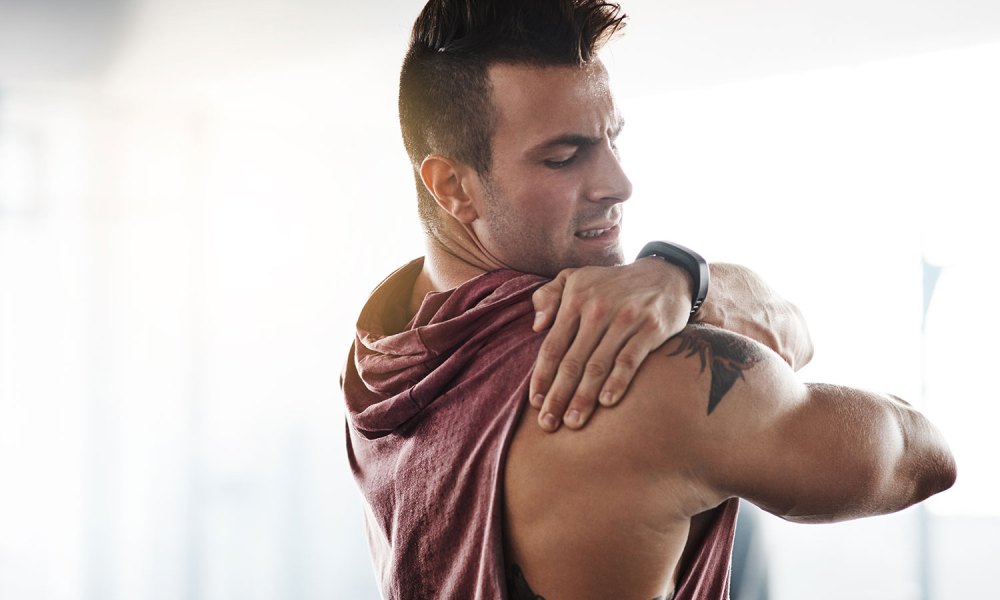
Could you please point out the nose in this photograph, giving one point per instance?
(609, 183)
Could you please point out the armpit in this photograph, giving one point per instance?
(517, 587)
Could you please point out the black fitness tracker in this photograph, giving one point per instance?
(687, 259)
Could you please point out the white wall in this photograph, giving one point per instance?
(839, 184)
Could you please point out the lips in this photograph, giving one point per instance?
(595, 232)
(592, 233)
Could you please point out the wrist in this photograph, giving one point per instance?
(690, 262)
(670, 277)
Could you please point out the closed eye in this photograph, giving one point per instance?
(558, 164)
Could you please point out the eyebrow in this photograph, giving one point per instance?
(569, 139)
(577, 139)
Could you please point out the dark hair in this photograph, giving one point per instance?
(445, 104)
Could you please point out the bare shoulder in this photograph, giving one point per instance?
(702, 379)
(704, 383)
(724, 357)
(724, 413)
(696, 389)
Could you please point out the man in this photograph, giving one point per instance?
(509, 121)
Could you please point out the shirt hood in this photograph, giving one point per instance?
(397, 369)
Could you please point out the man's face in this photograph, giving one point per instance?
(553, 196)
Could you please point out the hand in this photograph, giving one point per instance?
(606, 321)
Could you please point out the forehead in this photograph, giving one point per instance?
(534, 103)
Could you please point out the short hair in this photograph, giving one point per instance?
(445, 97)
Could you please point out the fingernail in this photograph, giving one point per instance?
(549, 422)
(539, 317)
(573, 417)
(538, 400)
(607, 399)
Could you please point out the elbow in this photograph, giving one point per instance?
(926, 465)
(948, 476)
(787, 333)
(937, 474)
(908, 462)
(801, 351)
(912, 485)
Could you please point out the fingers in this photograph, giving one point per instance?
(627, 363)
(576, 390)
(603, 322)
(563, 401)
(549, 310)
(552, 354)
(598, 367)
(547, 298)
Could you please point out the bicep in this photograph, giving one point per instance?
(744, 426)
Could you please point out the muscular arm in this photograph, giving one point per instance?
(745, 427)
(711, 415)
(740, 301)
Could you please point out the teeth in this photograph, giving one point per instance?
(592, 234)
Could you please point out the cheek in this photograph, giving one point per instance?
(550, 199)
(540, 202)
(543, 214)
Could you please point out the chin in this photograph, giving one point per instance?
(612, 257)
(607, 259)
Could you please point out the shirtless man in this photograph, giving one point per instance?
(640, 502)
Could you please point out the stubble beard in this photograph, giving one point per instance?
(530, 250)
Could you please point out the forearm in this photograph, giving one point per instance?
(739, 301)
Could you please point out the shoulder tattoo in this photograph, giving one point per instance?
(726, 355)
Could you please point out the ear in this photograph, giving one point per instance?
(446, 180)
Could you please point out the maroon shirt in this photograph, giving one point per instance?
(432, 407)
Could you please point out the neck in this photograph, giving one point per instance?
(446, 268)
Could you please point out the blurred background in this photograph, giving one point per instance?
(197, 196)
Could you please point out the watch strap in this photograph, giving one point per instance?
(687, 259)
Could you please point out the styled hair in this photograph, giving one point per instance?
(445, 97)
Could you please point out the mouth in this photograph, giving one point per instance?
(598, 233)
